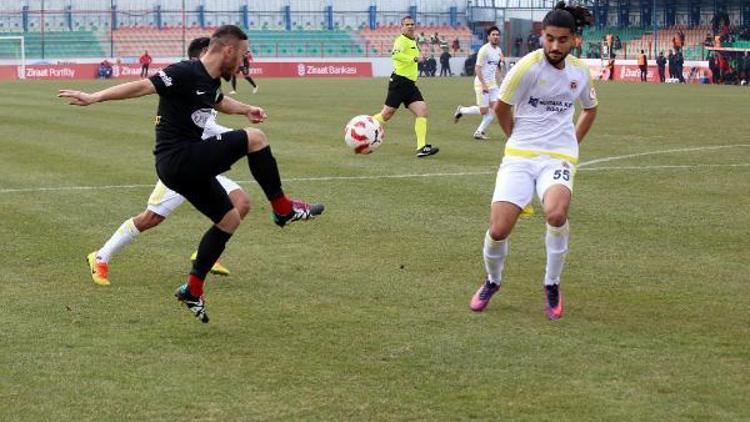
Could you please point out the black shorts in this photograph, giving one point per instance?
(245, 70)
(402, 91)
(191, 169)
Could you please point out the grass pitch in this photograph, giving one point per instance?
(363, 314)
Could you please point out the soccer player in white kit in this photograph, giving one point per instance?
(535, 111)
(163, 201)
(486, 83)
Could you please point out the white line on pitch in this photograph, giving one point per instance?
(675, 166)
(666, 151)
(581, 166)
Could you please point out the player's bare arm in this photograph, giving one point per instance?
(118, 92)
(480, 76)
(504, 114)
(584, 123)
(231, 106)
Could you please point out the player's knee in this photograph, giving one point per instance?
(556, 218)
(147, 220)
(483, 110)
(230, 222)
(256, 139)
(242, 203)
(498, 233)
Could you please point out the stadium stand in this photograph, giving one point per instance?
(636, 39)
(380, 41)
(57, 44)
(271, 43)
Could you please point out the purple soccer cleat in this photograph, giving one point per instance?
(482, 297)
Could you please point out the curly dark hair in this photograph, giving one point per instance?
(572, 17)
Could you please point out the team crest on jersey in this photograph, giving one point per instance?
(533, 101)
(573, 85)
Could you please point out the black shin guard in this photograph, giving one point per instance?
(266, 172)
(209, 250)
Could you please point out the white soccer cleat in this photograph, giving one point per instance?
(480, 136)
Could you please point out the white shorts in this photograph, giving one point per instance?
(164, 200)
(519, 177)
(485, 98)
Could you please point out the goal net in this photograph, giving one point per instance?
(13, 52)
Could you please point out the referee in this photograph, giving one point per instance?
(402, 88)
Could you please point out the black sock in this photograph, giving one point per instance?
(209, 250)
(252, 82)
(266, 173)
(234, 83)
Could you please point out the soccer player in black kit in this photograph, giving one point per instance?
(188, 92)
(245, 69)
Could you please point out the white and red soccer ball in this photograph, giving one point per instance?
(363, 134)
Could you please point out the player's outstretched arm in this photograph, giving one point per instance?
(584, 123)
(231, 106)
(117, 92)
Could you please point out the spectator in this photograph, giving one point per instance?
(723, 68)
(724, 31)
(679, 64)
(611, 68)
(444, 44)
(713, 66)
(445, 64)
(456, 46)
(431, 66)
(672, 66)
(578, 42)
(435, 40)
(105, 70)
(704, 80)
(661, 63)
(677, 42)
(469, 64)
(517, 47)
(421, 39)
(643, 65)
(730, 77)
(145, 61)
(617, 44)
(708, 42)
(532, 42)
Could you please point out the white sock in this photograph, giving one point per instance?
(494, 257)
(486, 120)
(469, 110)
(120, 238)
(556, 242)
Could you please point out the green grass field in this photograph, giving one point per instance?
(363, 314)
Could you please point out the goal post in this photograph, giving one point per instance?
(13, 51)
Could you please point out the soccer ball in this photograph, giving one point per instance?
(363, 134)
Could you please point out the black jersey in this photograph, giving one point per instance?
(187, 97)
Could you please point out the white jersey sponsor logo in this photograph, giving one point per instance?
(164, 78)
